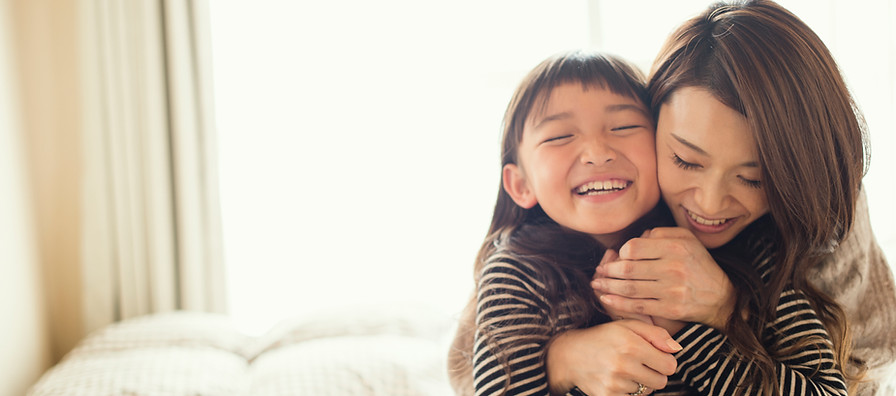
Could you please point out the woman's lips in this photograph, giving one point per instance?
(706, 225)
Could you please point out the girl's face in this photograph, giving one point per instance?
(708, 166)
(589, 160)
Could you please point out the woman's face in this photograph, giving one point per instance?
(589, 160)
(708, 166)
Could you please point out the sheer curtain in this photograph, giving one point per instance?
(151, 235)
(115, 110)
(359, 141)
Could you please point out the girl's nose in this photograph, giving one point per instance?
(597, 152)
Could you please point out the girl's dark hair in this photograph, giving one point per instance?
(764, 62)
(564, 259)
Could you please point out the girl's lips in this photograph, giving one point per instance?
(602, 191)
(709, 226)
(597, 187)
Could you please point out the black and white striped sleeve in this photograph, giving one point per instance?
(708, 365)
(509, 300)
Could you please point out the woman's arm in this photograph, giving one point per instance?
(708, 365)
(509, 299)
(611, 358)
(858, 277)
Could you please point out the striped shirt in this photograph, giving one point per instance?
(509, 298)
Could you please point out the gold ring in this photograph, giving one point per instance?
(640, 391)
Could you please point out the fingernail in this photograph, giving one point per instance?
(604, 299)
(674, 345)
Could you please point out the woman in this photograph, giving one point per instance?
(810, 147)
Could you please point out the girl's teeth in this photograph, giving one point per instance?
(601, 187)
(703, 221)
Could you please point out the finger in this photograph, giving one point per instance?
(649, 378)
(609, 256)
(625, 287)
(660, 339)
(651, 248)
(638, 317)
(639, 306)
(628, 269)
(620, 315)
(669, 232)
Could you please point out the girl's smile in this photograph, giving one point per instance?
(589, 160)
(602, 187)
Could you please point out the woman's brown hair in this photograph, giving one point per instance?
(761, 60)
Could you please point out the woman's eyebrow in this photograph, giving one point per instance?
(690, 145)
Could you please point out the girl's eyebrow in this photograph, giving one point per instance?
(615, 108)
(553, 117)
(692, 146)
(625, 106)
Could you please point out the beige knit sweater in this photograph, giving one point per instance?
(858, 277)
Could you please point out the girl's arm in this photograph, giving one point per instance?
(508, 304)
(708, 365)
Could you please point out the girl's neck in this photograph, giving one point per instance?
(659, 216)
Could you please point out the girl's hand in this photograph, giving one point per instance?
(666, 273)
(611, 358)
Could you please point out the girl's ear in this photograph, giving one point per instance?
(517, 187)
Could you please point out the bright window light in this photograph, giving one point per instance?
(359, 140)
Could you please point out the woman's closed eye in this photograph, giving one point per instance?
(684, 164)
(690, 165)
(750, 182)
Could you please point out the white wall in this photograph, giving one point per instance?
(345, 148)
(23, 339)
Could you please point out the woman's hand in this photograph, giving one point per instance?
(666, 273)
(611, 358)
(609, 256)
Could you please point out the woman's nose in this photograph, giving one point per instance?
(710, 196)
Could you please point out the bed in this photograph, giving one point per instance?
(360, 352)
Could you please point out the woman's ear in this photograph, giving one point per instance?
(517, 187)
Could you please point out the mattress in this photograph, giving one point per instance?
(202, 354)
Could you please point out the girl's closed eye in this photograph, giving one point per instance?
(684, 164)
(626, 129)
(557, 138)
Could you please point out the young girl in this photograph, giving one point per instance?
(579, 174)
